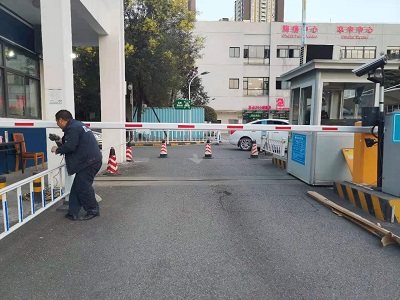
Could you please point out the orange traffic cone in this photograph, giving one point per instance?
(112, 167)
(254, 150)
(163, 152)
(128, 152)
(208, 153)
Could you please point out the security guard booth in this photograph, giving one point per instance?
(325, 92)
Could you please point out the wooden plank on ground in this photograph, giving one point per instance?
(386, 236)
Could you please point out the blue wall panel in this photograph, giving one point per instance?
(35, 140)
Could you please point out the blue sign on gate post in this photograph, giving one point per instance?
(299, 142)
(396, 128)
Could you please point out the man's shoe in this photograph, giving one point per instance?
(90, 215)
(71, 217)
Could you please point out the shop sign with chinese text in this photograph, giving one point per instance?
(259, 107)
(294, 31)
(280, 104)
(355, 32)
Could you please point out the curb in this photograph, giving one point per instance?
(373, 202)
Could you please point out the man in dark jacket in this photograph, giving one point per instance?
(83, 158)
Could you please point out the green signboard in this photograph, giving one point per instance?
(257, 116)
(182, 104)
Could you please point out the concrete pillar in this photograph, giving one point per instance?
(112, 80)
(317, 98)
(57, 77)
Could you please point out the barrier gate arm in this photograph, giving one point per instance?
(188, 126)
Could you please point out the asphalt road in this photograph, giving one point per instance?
(185, 227)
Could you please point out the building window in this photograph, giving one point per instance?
(255, 55)
(393, 52)
(233, 83)
(255, 86)
(358, 52)
(17, 61)
(288, 51)
(19, 84)
(282, 85)
(234, 52)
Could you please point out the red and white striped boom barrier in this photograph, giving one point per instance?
(186, 126)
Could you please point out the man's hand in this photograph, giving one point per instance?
(53, 149)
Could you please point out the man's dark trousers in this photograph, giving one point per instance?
(82, 192)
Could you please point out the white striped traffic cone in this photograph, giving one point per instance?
(208, 153)
(128, 152)
(163, 152)
(112, 167)
(254, 150)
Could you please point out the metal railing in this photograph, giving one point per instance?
(277, 147)
(34, 189)
(148, 135)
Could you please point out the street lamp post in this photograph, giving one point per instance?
(190, 112)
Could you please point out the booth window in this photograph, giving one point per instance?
(295, 111)
(358, 52)
(234, 52)
(255, 86)
(19, 84)
(255, 55)
(356, 96)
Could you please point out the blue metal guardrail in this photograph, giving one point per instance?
(40, 198)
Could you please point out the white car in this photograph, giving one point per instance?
(243, 138)
(98, 138)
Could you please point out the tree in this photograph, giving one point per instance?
(87, 83)
(160, 47)
(392, 77)
(198, 96)
(210, 114)
(160, 53)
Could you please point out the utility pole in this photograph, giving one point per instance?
(190, 112)
(303, 33)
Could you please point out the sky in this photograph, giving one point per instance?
(321, 11)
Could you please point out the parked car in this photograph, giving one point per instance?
(243, 138)
(99, 140)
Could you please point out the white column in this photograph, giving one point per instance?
(317, 98)
(112, 81)
(57, 77)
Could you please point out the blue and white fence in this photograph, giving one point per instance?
(148, 135)
(15, 213)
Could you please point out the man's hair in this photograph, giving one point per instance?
(64, 114)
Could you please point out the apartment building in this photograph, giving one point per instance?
(192, 5)
(245, 60)
(259, 10)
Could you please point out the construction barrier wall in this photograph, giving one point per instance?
(170, 115)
